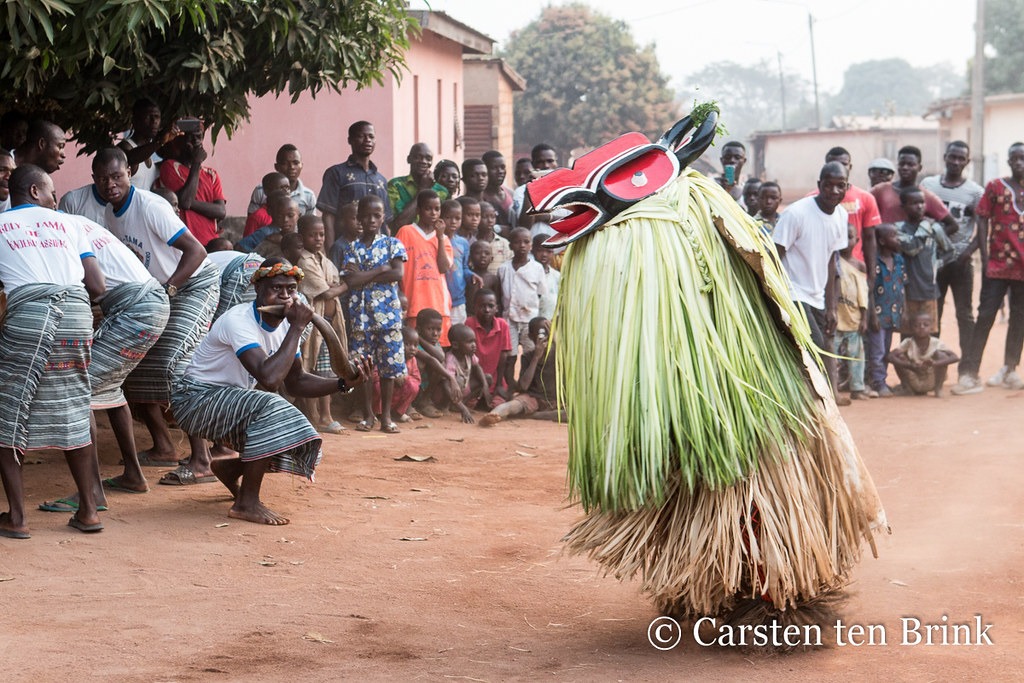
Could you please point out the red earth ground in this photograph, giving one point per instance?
(451, 569)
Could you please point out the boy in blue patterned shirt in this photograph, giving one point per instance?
(887, 311)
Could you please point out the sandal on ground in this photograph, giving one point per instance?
(404, 418)
(184, 476)
(389, 428)
(365, 425)
(65, 505)
(148, 461)
(430, 411)
(334, 427)
(413, 414)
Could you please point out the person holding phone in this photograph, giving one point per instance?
(200, 194)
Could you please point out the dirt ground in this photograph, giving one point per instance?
(451, 569)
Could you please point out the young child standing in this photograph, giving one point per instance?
(921, 241)
(322, 285)
(493, 342)
(537, 399)
(479, 263)
(470, 224)
(552, 278)
(523, 283)
(890, 279)
(501, 250)
(407, 386)
(349, 230)
(768, 199)
(430, 258)
(463, 364)
(374, 265)
(852, 318)
(922, 360)
(460, 275)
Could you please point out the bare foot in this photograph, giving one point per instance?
(260, 514)
(10, 530)
(222, 451)
(490, 419)
(229, 476)
(122, 483)
(153, 458)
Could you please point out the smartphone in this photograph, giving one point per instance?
(730, 173)
(189, 125)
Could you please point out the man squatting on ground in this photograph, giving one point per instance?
(44, 345)
(216, 398)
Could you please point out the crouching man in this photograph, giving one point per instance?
(218, 399)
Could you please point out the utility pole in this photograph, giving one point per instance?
(782, 89)
(814, 70)
(978, 97)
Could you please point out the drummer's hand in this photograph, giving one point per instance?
(297, 313)
(364, 366)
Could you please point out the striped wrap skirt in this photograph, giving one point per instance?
(134, 316)
(190, 319)
(236, 282)
(44, 357)
(257, 424)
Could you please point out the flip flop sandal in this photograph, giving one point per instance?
(390, 428)
(184, 476)
(404, 418)
(74, 523)
(146, 461)
(413, 415)
(65, 505)
(365, 426)
(334, 428)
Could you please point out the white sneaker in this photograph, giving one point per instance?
(997, 379)
(968, 384)
(1013, 381)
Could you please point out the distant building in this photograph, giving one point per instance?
(793, 158)
(1004, 116)
(490, 84)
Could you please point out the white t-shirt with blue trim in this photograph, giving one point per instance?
(41, 245)
(148, 226)
(85, 201)
(216, 361)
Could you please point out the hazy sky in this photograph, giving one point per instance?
(691, 33)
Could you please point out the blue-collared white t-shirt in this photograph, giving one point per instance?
(216, 361)
(148, 226)
(41, 245)
(85, 201)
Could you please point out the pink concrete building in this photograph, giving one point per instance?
(425, 106)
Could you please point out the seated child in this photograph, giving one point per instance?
(407, 386)
(266, 241)
(430, 358)
(493, 343)
(463, 364)
(322, 285)
(272, 182)
(538, 399)
(552, 278)
(922, 360)
(219, 244)
(501, 250)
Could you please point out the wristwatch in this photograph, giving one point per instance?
(171, 290)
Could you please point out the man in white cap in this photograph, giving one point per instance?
(881, 170)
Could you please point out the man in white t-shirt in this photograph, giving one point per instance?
(6, 168)
(808, 236)
(150, 228)
(218, 397)
(44, 345)
(84, 201)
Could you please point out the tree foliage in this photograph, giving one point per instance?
(751, 96)
(1004, 23)
(587, 81)
(893, 86)
(83, 63)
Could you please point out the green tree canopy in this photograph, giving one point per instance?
(893, 86)
(751, 96)
(83, 63)
(587, 81)
(1004, 23)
